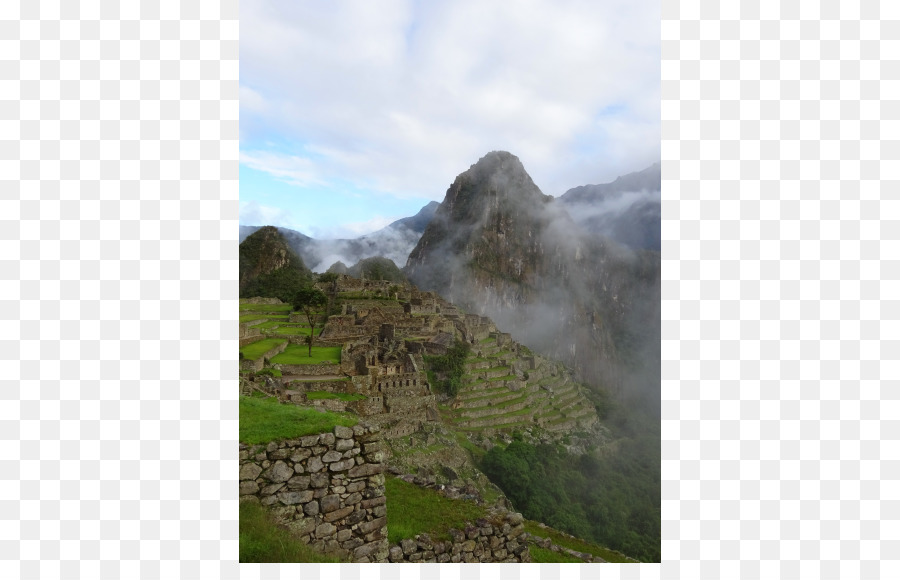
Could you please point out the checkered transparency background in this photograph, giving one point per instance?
(118, 295)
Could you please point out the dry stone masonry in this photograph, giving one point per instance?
(327, 488)
(485, 540)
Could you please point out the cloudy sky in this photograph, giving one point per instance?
(355, 114)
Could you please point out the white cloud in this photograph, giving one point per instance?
(252, 213)
(402, 96)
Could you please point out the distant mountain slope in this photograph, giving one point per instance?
(393, 242)
(628, 210)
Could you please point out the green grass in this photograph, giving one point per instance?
(316, 395)
(254, 350)
(262, 316)
(262, 540)
(573, 543)
(475, 451)
(413, 510)
(264, 420)
(297, 354)
(266, 307)
(293, 330)
(544, 555)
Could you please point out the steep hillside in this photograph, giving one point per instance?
(268, 267)
(499, 247)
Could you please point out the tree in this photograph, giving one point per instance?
(309, 300)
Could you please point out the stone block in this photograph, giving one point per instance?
(279, 454)
(499, 554)
(379, 534)
(356, 486)
(309, 440)
(298, 482)
(325, 530)
(341, 465)
(300, 454)
(395, 554)
(269, 500)
(312, 508)
(318, 480)
(366, 527)
(270, 489)
(514, 518)
(468, 546)
(366, 470)
(353, 498)
(366, 550)
(326, 439)
(342, 432)
(314, 465)
(302, 526)
(338, 514)
(279, 472)
(355, 517)
(408, 546)
(295, 497)
(331, 457)
(516, 531)
(344, 535)
(329, 503)
(353, 543)
(379, 511)
(250, 471)
(338, 489)
(369, 503)
(272, 446)
(377, 479)
(417, 557)
(344, 444)
(249, 487)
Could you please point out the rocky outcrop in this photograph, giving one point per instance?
(499, 247)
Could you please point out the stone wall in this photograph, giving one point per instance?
(257, 364)
(310, 370)
(247, 330)
(483, 541)
(261, 300)
(327, 488)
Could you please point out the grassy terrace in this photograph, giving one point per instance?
(266, 307)
(413, 510)
(262, 316)
(296, 354)
(265, 419)
(317, 395)
(573, 544)
(293, 330)
(254, 350)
